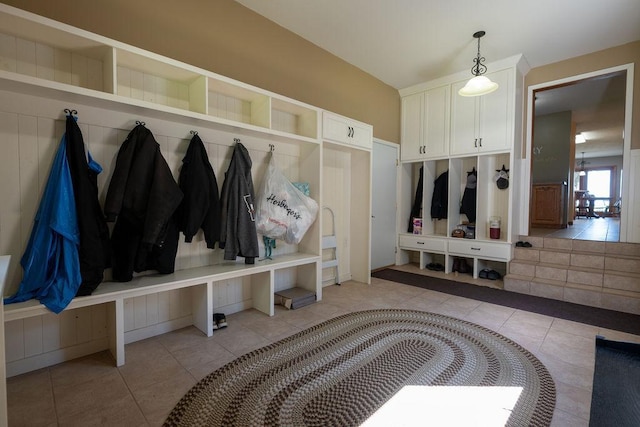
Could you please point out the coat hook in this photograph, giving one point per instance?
(138, 122)
(193, 132)
(272, 148)
(236, 140)
(70, 112)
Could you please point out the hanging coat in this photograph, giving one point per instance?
(468, 203)
(440, 197)
(142, 199)
(51, 262)
(238, 235)
(94, 234)
(417, 202)
(200, 207)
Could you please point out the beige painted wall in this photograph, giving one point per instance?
(620, 55)
(225, 37)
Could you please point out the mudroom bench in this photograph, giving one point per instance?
(201, 280)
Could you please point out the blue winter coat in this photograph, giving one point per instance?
(51, 262)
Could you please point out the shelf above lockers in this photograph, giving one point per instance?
(32, 49)
(291, 117)
(232, 102)
(54, 56)
(158, 82)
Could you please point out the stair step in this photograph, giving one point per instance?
(517, 283)
(581, 246)
(598, 274)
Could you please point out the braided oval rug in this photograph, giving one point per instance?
(342, 371)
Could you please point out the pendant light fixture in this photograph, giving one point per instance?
(582, 172)
(479, 84)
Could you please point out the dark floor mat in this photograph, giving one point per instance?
(609, 319)
(615, 400)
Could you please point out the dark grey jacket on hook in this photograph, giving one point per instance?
(238, 232)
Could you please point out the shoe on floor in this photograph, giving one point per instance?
(219, 321)
(484, 273)
(523, 244)
(463, 267)
(493, 275)
(435, 267)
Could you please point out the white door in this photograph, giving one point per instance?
(383, 209)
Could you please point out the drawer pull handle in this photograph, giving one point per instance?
(475, 249)
(420, 243)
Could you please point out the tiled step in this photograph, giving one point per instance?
(598, 274)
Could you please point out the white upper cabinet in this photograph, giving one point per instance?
(425, 124)
(346, 131)
(483, 124)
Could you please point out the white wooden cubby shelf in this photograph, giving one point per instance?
(443, 131)
(47, 66)
(200, 279)
(53, 56)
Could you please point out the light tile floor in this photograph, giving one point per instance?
(599, 229)
(160, 370)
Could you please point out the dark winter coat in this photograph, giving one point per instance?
(440, 198)
(468, 203)
(200, 207)
(142, 199)
(238, 231)
(94, 235)
(417, 201)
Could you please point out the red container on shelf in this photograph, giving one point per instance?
(494, 227)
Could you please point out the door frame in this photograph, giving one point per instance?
(525, 189)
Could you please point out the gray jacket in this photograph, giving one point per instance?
(238, 236)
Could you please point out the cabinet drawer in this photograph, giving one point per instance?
(473, 248)
(422, 243)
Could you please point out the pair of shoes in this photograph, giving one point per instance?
(460, 265)
(524, 244)
(489, 274)
(435, 267)
(219, 321)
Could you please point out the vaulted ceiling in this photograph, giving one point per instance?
(405, 42)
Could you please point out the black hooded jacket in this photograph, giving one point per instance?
(142, 199)
(200, 207)
(94, 234)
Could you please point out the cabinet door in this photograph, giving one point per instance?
(425, 124)
(547, 201)
(411, 146)
(464, 122)
(361, 135)
(483, 123)
(345, 131)
(495, 131)
(436, 122)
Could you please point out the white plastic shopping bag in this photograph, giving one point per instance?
(284, 212)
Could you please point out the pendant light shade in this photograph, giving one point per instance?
(479, 84)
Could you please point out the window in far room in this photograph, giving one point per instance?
(598, 183)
